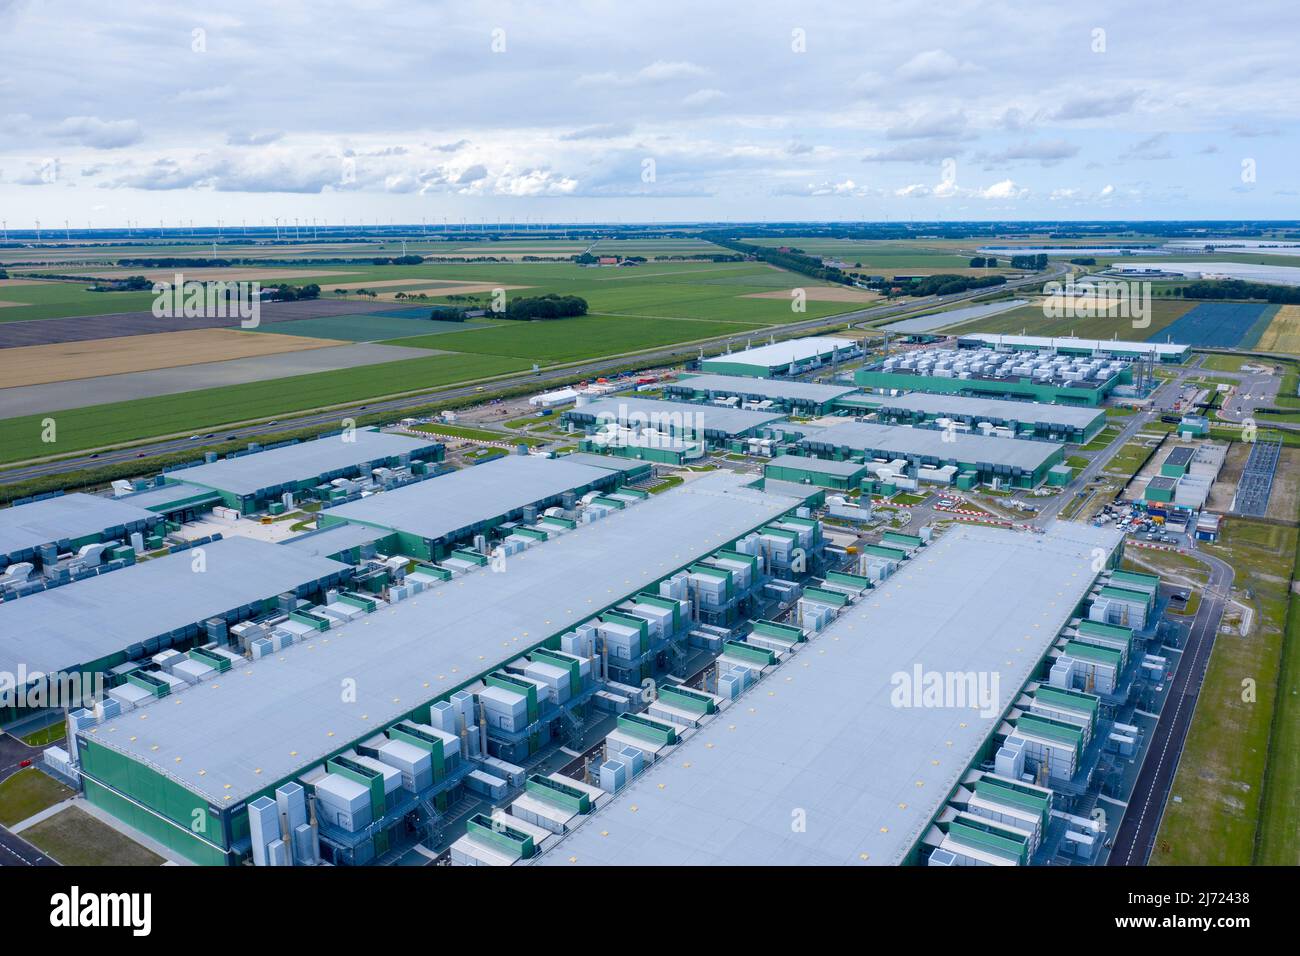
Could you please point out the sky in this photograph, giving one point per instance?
(377, 111)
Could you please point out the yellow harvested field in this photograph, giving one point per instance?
(1283, 333)
(231, 274)
(39, 364)
(14, 283)
(820, 293)
(380, 284)
(5, 305)
(460, 288)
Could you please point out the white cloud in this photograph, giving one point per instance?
(703, 97)
(1006, 189)
(97, 133)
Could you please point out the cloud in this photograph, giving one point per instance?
(97, 133)
(931, 66)
(660, 71)
(599, 131)
(1248, 131)
(1150, 148)
(248, 138)
(211, 94)
(929, 151)
(845, 188)
(703, 97)
(1006, 189)
(1095, 107)
(472, 174)
(1046, 151)
(930, 126)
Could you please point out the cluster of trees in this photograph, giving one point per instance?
(951, 284)
(289, 293)
(449, 313)
(1084, 261)
(397, 260)
(178, 263)
(984, 262)
(1239, 289)
(3, 274)
(129, 284)
(550, 306)
(944, 284)
(791, 259)
(1030, 263)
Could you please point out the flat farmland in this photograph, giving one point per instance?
(36, 364)
(1283, 332)
(101, 425)
(50, 300)
(370, 328)
(669, 290)
(1030, 320)
(571, 340)
(144, 322)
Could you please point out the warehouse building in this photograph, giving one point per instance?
(1063, 423)
(101, 623)
(1167, 353)
(248, 482)
(928, 454)
(1061, 379)
(283, 722)
(856, 719)
(761, 394)
(783, 359)
(823, 472)
(428, 519)
(681, 420)
(39, 531)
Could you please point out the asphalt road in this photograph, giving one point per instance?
(1136, 835)
(14, 850)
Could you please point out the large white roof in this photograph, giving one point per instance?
(821, 737)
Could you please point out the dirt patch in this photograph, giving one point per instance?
(819, 294)
(15, 283)
(40, 364)
(214, 275)
(6, 305)
(1284, 500)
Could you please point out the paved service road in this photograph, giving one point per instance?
(1136, 835)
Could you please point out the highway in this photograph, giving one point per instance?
(267, 432)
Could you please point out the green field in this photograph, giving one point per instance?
(28, 792)
(1030, 320)
(101, 425)
(570, 340)
(75, 838)
(57, 300)
(631, 309)
(1238, 774)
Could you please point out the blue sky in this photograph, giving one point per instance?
(616, 111)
